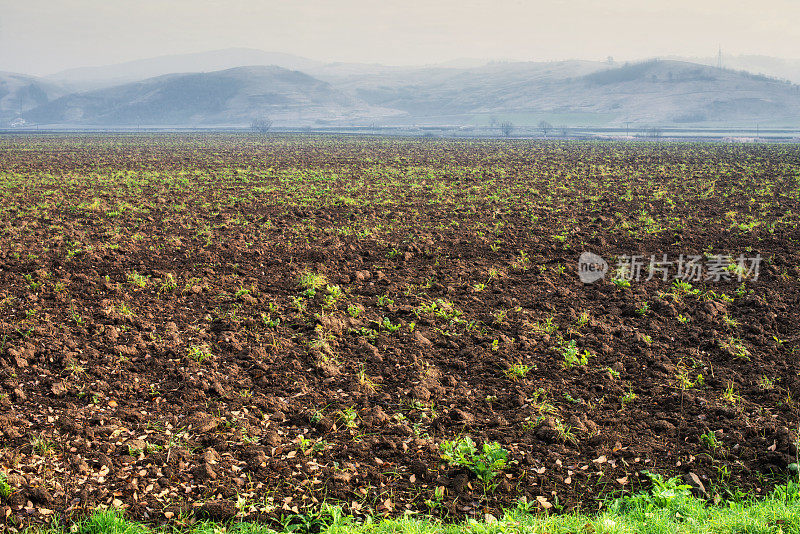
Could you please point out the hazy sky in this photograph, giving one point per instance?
(45, 36)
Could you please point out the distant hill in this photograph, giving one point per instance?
(20, 93)
(675, 92)
(85, 78)
(573, 93)
(651, 92)
(784, 69)
(432, 92)
(231, 97)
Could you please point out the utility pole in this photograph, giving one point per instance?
(719, 58)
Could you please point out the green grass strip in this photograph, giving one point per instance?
(667, 509)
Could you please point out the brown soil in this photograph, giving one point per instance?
(175, 402)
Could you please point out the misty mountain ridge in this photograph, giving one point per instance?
(231, 97)
(784, 69)
(20, 93)
(651, 92)
(573, 93)
(87, 78)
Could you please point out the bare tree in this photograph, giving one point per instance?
(564, 130)
(261, 124)
(653, 133)
(506, 128)
(545, 127)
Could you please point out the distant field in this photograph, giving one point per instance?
(245, 326)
